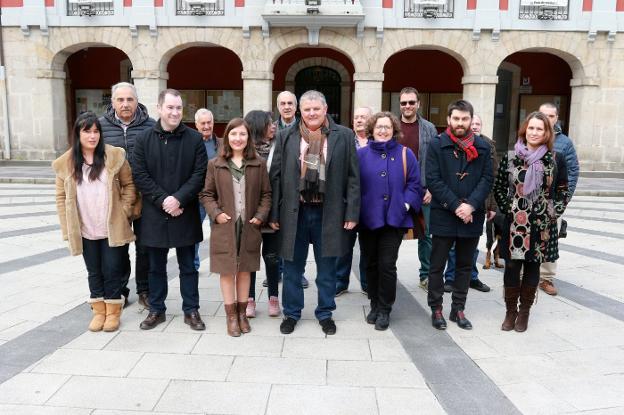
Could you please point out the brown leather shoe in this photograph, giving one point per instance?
(152, 320)
(144, 300)
(231, 320)
(194, 320)
(511, 303)
(488, 260)
(548, 287)
(243, 323)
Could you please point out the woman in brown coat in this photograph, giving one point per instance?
(95, 197)
(237, 197)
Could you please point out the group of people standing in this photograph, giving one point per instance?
(272, 189)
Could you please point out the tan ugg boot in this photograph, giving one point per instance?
(99, 313)
(113, 314)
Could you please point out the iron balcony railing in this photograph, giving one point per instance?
(544, 10)
(90, 8)
(428, 9)
(200, 7)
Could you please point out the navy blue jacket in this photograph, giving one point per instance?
(446, 164)
(384, 187)
(565, 148)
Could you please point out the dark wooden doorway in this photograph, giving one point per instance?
(324, 80)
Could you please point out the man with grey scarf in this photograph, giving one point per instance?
(316, 200)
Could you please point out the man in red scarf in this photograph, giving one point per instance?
(459, 177)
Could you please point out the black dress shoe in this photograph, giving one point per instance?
(459, 317)
(371, 318)
(328, 326)
(152, 320)
(304, 282)
(479, 286)
(383, 321)
(437, 319)
(288, 325)
(194, 320)
(448, 288)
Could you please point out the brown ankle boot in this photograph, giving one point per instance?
(243, 323)
(99, 314)
(231, 319)
(511, 303)
(497, 264)
(488, 260)
(527, 296)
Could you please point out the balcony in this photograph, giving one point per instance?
(544, 9)
(428, 9)
(322, 12)
(200, 7)
(90, 8)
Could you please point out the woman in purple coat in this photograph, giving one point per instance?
(390, 186)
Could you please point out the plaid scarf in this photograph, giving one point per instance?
(465, 143)
(312, 179)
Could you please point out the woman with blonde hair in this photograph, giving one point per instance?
(95, 197)
(531, 189)
(237, 197)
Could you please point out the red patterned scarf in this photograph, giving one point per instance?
(466, 143)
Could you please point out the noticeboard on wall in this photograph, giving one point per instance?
(192, 100)
(530, 103)
(438, 107)
(95, 100)
(224, 104)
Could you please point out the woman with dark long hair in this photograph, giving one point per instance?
(95, 198)
(237, 197)
(261, 133)
(531, 189)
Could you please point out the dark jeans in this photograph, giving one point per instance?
(158, 283)
(270, 246)
(441, 246)
(381, 249)
(449, 274)
(343, 265)
(424, 246)
(513, 267)
(141, 264)
(105, 268)
(309, 230)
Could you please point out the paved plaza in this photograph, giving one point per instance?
(570, 361)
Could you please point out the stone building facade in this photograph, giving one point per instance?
(480, 36)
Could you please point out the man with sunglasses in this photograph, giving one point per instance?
(417, 134)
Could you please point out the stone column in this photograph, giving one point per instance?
(257, 91)
(149, 83)
(345, 103)
(368, 90)
(480, 91)
(594, 148)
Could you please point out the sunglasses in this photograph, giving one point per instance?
(404, 103)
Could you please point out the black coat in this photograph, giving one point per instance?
(170, 163)
(342, 189)
(114, 134)
(445, 165)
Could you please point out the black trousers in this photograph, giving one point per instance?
(105, 267)
(464, 250)
(513, 267)
(380, 247)
(141, 264)
(270, 248)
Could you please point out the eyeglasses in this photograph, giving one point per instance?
(404, 103)
(383, 127)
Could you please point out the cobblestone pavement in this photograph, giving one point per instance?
(571, 360)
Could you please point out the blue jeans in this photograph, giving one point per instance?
(309, 230)
(343, 266)
(202, 216)
(105, 268)
(449, 274)
(424, 246)
(189, 281)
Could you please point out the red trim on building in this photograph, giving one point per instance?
(158, 3)
(619, 6)
(471, 4)
(11, 3)
(588, 5)
(239, 3)
(49, 3)
(386, 4)
(127, 3)
(503, 4)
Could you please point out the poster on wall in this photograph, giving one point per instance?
(192, 100)
(225, 105)
(95, 100)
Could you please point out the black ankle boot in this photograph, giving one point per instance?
(383, 320)
(371, 318)
(458, 317)
(437, 319)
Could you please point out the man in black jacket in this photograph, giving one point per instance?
(124, 120)
(169, 169)
(459, 177)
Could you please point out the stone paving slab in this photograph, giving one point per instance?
(327, 400)
(182, 366)
(278, 371)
